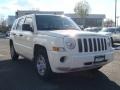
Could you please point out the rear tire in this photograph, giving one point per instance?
(14, 55)
(42, 65)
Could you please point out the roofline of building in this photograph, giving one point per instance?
(73, 15)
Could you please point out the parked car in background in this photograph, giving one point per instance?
(81, 27)
(2, 35)
(93, 29)
(7, 33)
(114, 32)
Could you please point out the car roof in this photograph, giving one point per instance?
(42, 15)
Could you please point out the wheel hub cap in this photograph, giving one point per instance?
(41, 65)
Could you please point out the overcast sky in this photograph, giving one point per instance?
(8, 7)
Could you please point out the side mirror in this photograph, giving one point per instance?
(26, 27)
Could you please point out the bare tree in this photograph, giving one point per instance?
(82, 9)
(108, 23)
(3, 27)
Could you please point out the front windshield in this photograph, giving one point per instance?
(52, 22)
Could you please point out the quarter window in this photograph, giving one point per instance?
(14, 25)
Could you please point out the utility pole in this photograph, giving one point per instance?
(117, 19)
(115, 11)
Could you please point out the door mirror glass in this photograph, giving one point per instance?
(26, 27)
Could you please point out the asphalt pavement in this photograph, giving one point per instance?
(20, 75)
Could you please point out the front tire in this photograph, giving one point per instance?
(42, 65)
(14, 55)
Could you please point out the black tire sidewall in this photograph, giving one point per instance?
(14, 55)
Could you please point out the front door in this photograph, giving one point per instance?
(27, 39)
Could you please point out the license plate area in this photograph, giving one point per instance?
(98, 59)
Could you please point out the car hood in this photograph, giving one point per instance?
(105, 33)
(69, 33)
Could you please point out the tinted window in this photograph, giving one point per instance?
(50, 22)
(19, 24)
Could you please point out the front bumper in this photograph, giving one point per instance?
(76, 61)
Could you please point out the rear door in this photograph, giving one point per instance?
(16, 34)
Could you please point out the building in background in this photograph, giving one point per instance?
(92, 20)
(21, 13)
(10, 20)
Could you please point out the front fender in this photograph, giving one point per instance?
(49, 42)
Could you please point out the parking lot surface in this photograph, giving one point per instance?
(20, 75)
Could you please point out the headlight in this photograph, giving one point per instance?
(69, 43)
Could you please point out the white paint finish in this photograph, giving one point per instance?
(74, 60)
(49, 39)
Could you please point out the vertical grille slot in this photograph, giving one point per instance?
(85, 45)
(102, 43)
(98, 41)
(95, 44)
(90, 45)
(105, 44)
(80, 45)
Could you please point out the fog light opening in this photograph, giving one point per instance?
(62, 59)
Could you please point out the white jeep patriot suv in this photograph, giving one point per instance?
(56, 44)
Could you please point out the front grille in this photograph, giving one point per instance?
(92, 44)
